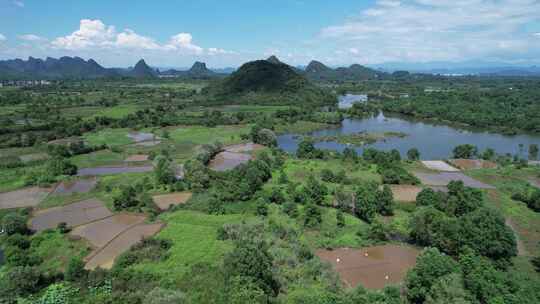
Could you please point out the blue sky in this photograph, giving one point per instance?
(228, 33)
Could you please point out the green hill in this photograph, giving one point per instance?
(267, 82)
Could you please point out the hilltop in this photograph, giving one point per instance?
(267, 82)
(317, 71)
(51, 68)
(142, 70)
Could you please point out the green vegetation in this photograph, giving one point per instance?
(360, 138)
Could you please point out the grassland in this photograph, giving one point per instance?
(110, 137)
(194, 237)
(55, 249)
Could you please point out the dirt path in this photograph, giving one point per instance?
(520, 246)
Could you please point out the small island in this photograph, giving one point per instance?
(360, 138)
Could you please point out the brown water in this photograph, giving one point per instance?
(28, 197)
(372, 267)
(166, 200)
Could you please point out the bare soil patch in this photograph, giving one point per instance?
(535, 182)
(166, 200)
(520, 246)
(113, 170)
(105, 257)
(73, 215)
(75, 186)
(137, 158)
(372, 267)
(439, 165)
(467, 164)
(443, 178)
(101, 232)
(32, 157)
(405, 193)
(244, 148)
(228, 160)
(28, 197)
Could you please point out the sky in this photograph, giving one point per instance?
(176, 33)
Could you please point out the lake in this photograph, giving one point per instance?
(434, 141)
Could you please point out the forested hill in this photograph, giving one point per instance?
(51, 68)
(319, 72)
(267, 82)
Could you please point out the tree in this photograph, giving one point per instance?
(266, 137)
(262, 208)
(58, 293)
(533, 151)
(485, 231)
(428, 197)
(465, 151)
(366, 201)
(377, 231)
(315, 190)
(243, 290)
(20, 281)
(424, 225)
(431, 265)
(340, 219)
(163, 172)
(413, 154)
(196, 175)
(448, 289)
(127, 198)
(60, 166)
(488, 154)
(385, 201)
(313, 215)
(251, 260)
(283, 179)
(306, 149)
(13, 223)
(75, 270)
(290, 209)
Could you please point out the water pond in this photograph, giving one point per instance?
(434, 141)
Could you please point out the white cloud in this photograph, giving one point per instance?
(438, 30)
(132, 40)
(91, 34)
(183, 42)
(96, 35)
(18, 3)
(31, 37)
(2, 37)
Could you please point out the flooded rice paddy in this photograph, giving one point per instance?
(73, 215)
(101, 232)
(113, 170)
(75, 186)
(27, 197)
(104, 257)
(439, 165)
(444, 178)
(372, 267)
(164, 201)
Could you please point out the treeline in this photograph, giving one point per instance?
(508, 110)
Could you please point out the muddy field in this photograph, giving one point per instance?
(244, 148)
(228, 160)
(73, 215)
(405, 193)
(101, 232)
(372, 267)
(443, 178)
(166, 200)
(105, 256)
(113, 170)
(75, 186)
(137, 158)
(439, 165)
(28, 197)
(467, 164)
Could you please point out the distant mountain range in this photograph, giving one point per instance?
(197, 71)
(78, 68)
